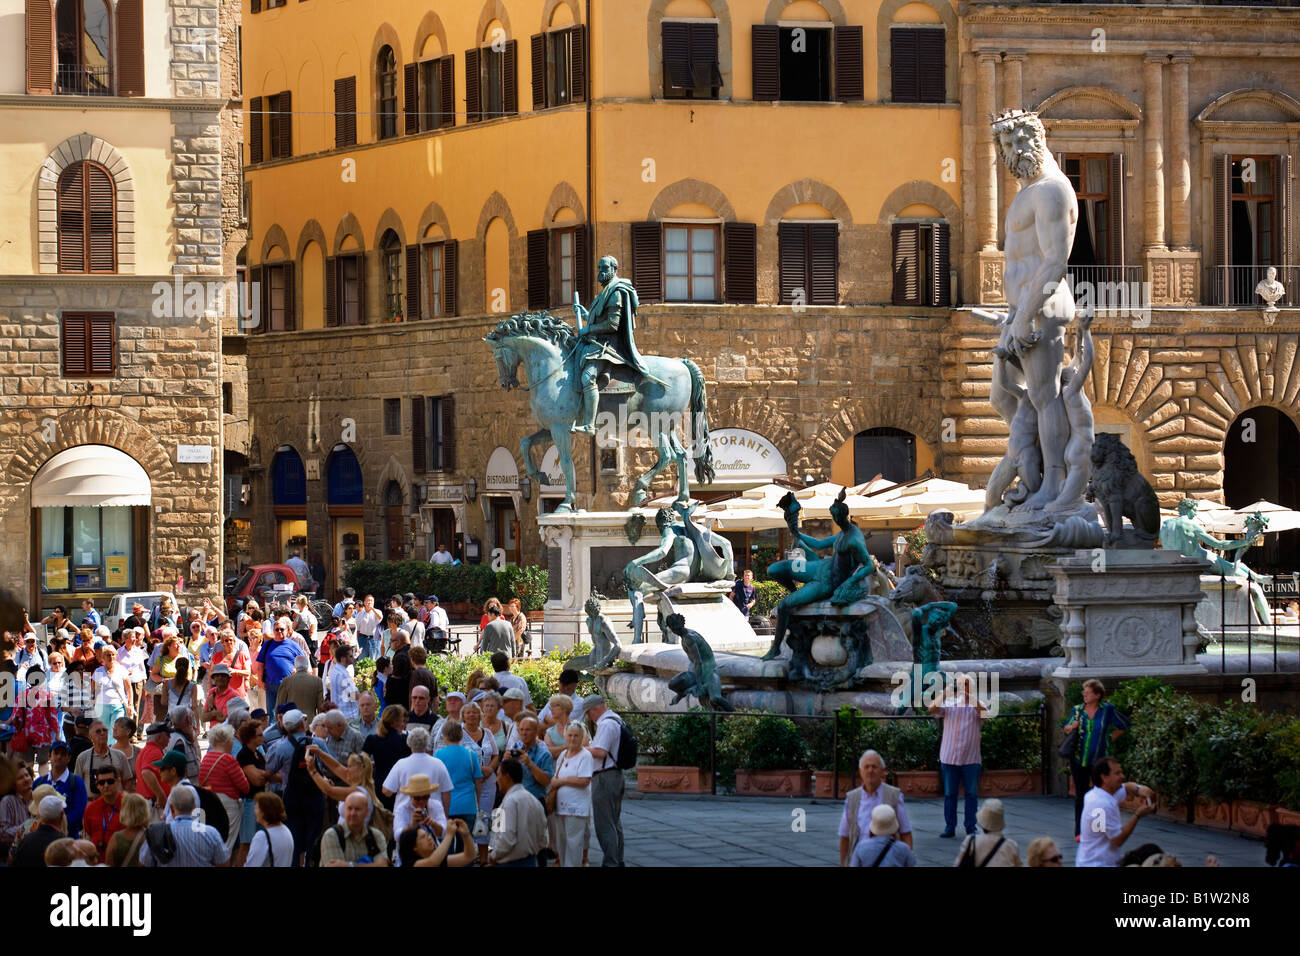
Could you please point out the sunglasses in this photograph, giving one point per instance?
(1052, 859)
(105, 781)
(278, 630)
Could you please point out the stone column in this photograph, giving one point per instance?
(1012, 98)
(1180, 175)
(1154, 115)
(986, 158)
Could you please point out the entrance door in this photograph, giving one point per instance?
(506, 523)
(444, 531)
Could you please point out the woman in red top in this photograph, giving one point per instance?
(222, 774)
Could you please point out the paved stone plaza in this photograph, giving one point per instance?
(747, 831)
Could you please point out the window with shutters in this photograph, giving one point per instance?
(435, 277)
(350, 270)
(390, 271)
(84, 65)
(1253, 236)
(564, 258)
(386, 85)
(805, 64)
(1090, 175)
(277, 298)
(436, 98)
(691, 262)
(274, 137)
(89, 341)
(559, 67)
(439, 433)
(690, 59)
(87, 228)
(492, 82)
(917, 64)
(345, 111)
(808, 262)
(392, 416)
(922, 275)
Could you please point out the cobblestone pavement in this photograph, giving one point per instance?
(744, 831)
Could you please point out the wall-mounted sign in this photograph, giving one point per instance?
(193, 454)
(502, 471)
(313, 469)
(115, 571)
(445, 493)
(741, 455)
(551, 469)
(56, 574)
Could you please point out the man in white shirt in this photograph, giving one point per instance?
(606, 781)
(441, 556)
(420, 761)
(1100, 832)
(436, 619)
(301, 571)
(367, 620)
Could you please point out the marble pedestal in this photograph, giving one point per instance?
(1128, 613)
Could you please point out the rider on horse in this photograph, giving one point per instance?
(607, 339)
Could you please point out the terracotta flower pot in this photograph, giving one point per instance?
(824, 779)
(919, 783)
(1285, 815)
(1167, 811)
(774, 783)
(1008, 783)
(1215, 815)
(1251, 816)
(672, 780)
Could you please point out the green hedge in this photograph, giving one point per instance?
(767, 595)
(472, 583)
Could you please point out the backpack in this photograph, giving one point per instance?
(162, 842)
(968, 853)
(340, 832)
(626, 747)
(300, 788)
(214, 812)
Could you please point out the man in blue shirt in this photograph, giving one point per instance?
(276, 657)
(744, 594)
(92, 616)
(536, 759)
(69, 786)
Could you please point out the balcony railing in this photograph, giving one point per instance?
(1235, 285)
(1108, 288)
(85, 81)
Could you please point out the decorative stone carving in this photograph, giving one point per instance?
(1270, 290)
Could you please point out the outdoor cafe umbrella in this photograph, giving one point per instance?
(1279, 518)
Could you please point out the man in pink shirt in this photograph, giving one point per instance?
(959, 751)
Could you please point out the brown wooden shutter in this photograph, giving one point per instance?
(704, 55)
(931, 60)
(419, 453)
(539, 269)
(39, 30)
(331, 292)
(578, 64)
(72, 219)
(766, 59)
(448, 405)
(903, 65)
(256, 6)
(411, 94)
(1222, 225)
(539, 71)
(101, 352)
(413, 305)
(76, 338)
(647, 259)
(345, 111)
(130, 48)
(285, 107)
(510, 79)
(101, 231)
(907, 263)
(255, 130)
(290, 299)
(676, 56)
(582, 257)
(450, 259)
(740, 261)
(824, 263)
(473, 105)
(447, 66)
(1283, 211)
(1115, 212)
(361, 288)
(939, 267)
(257, 301)
(849, 82)
(792, 261)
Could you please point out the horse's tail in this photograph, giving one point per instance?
(704, 471)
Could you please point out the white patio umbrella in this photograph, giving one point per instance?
(1279, 518)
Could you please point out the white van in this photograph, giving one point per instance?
(119, 608)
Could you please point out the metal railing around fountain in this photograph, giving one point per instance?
(842, 737)
(1280, 591)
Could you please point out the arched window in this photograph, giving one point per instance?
(343, 478)
(390, 264)
(888, 452)
(84, 62)
(87, 227)
(386, 83)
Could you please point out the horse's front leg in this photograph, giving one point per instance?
(526, 449)
(563, 440)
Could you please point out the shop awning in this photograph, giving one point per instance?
(90, 476)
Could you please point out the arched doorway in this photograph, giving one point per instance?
(892, 453)
(394, 522)
(344, 492)
(1261, 455)
(289, 502)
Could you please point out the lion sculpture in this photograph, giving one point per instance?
(1121, 492)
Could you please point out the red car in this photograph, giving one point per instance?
(260, 580)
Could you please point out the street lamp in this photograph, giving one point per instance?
(526, 485)
(900, 554)
(471, 489)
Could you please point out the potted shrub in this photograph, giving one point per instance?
(772, 760)
(682, 765)
(846, 760)
(911, 749)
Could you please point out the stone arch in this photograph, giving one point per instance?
(808, 190)
(654, 44)
(492, 10)
(691, 190)
(393, 471)
(884, 59)
(880, 409)
(1279, 101)
(389, 220)
(92, 426)
(727, 409)
(311, 232)
(834, 9)
(548, 11)
(75, 149)
(496, 207)
(333, 425)
(275, 237)
(563, 195)
(1113, 99)
(433, 215)
(430, 25)
(385, 35)
(349, 226)
(920, 191)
